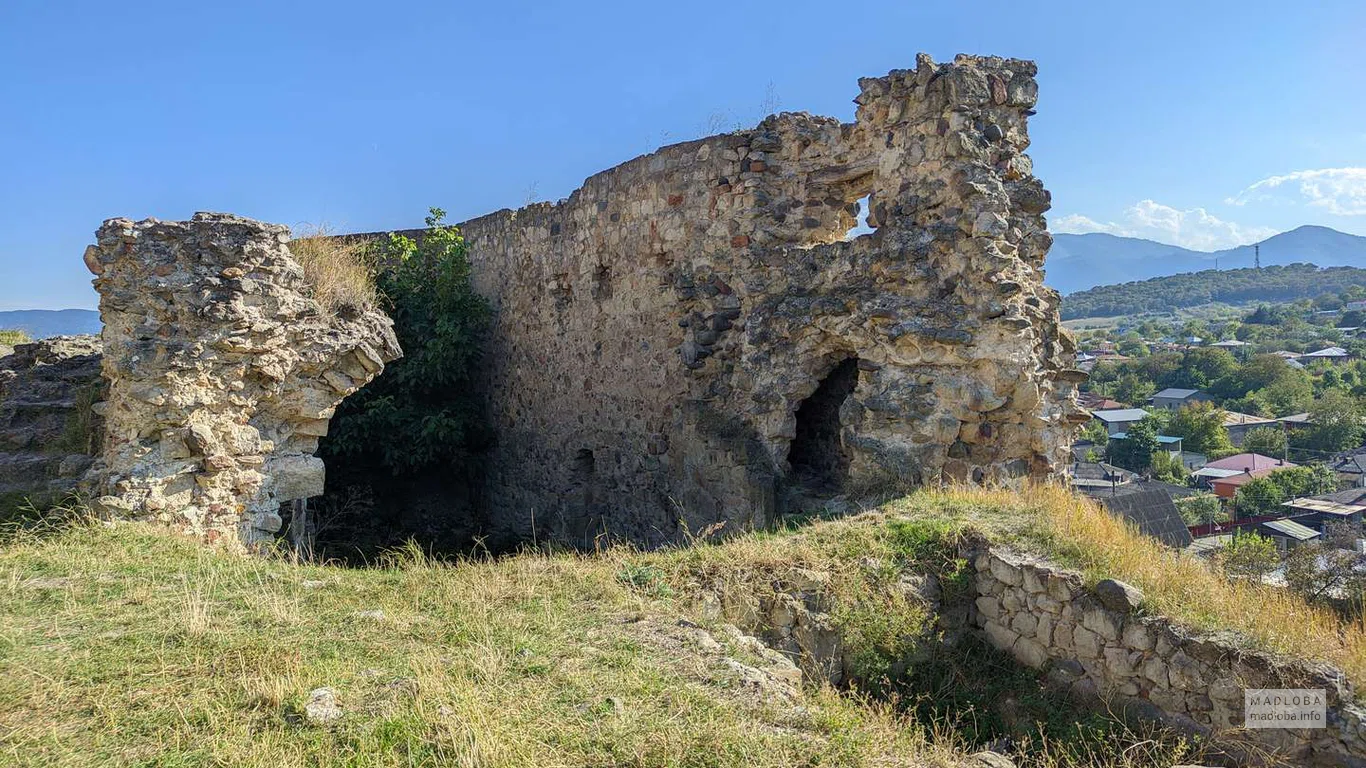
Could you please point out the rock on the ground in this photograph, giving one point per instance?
(1118, 596)
(322, 707)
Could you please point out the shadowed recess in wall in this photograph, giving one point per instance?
(818, 458)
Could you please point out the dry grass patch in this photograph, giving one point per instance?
(11, 337)
(339, 268)
(123, 646)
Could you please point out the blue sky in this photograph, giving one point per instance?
(1202, 124)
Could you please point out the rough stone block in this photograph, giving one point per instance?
(1102, 622)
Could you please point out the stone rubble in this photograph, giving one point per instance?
(222, 374)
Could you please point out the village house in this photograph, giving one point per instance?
(1239, 424)
(1088, 475)
(1319, 512)
(1225, 476)
(1172, 446)
(1287, 534)
(1173, 398)
(1328, 354)
(1151, 507)
(1093, 402)
(1120, 419)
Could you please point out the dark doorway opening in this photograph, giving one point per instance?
(819, 461)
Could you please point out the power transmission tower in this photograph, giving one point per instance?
(1257, 256)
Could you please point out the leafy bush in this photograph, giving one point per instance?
(1267, 441)
(1135, 452)
(1249, 556)
(422, 411)
(1201, 428)
(1264, 495)
(1200, 509)
(1334, 423)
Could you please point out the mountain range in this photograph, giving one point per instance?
(41, 323)
(1079, 262)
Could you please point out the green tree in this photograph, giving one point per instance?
(1168, 468)
(1334, 423)
(1201, 428)
(1201, 508)
(1131, 389)
(1259, 496)
(1095, 432)
(1135, 452)
(1249, 556)
(423, 410)
(1257, 373)
(1329, 567)
(1267, 441)
(1288, 394)
(1206, 365)
(1311, 480)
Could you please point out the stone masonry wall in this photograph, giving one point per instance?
(222, 374)
(1094, 642)
(48, 430)
(657, 332)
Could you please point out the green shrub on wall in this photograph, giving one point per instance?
(423, 410)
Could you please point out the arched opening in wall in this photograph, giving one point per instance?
(817, 456)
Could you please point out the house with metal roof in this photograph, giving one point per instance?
(1237, 425)
(1288, 533)
(1240, 469)
(1174, 398)
(1319, 512)
(1119, 419)
(1167, 443)
(1331, 354)
(1151, 509)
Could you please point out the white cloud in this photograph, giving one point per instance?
(1339, 191)
(1076, 224)
(1193, 228)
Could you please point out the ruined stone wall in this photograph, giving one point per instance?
(657, 332)
(1094, 642)
(48, 430)
(222, 374)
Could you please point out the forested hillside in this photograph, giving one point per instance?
(1231, 286)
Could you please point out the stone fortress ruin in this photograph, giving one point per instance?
(689, 339)
(690, 333)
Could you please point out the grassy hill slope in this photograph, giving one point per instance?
(121, 645)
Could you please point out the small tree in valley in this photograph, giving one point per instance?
(1267, 441)
(1249, 556)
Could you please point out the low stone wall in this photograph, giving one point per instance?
(1093, 642)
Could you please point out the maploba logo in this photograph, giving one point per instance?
(1285, 708)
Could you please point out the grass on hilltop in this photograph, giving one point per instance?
(121, 645)
(339, 269)
(12, 336)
